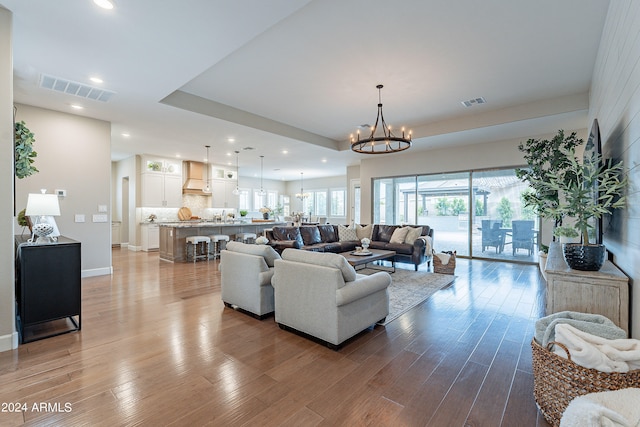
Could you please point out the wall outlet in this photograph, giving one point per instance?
(60, 193)
(79, 218)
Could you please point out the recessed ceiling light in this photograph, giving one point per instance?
(77, 107)
(105, 4)
(126, 135)
(231, 139)
(228, 154)
(285, 151)
(96, 79)
(324, 160)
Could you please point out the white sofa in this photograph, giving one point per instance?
(246, 272)
(320, 294)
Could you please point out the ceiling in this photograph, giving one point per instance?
(301, 75)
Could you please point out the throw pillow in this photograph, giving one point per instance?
(346, 234)
(364, 231)
(412, 234)
(399, 235)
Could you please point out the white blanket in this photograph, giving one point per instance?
(620, 408)
(444, 258)
(590, 351)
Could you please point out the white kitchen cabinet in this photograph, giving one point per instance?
(150, 234)
(161, 183)
(115, 233)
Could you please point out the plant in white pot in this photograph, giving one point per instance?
(578, 199)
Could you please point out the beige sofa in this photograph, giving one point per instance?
(246, 272)
(320, 295)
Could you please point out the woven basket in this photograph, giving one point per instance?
(448, 268)
(557, 381)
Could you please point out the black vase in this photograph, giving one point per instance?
(584, 257)
(265, 215)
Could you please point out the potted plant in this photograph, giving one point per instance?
(575, 184)
(265, 211)
(566, 233)
(243, 213)
(545, 157)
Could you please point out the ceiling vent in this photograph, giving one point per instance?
(474, 101)
(74, 88)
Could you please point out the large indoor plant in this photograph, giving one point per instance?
(575, 185)
(545, 157)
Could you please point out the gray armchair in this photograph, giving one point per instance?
(522, 236)
(320, 295)
(246, 272)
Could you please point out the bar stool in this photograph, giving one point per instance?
(198, 242)
(217, 239)
(246, 237)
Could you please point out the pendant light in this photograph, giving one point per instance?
(261, 193)
(302, 195)
(236, 192)
(207, 188)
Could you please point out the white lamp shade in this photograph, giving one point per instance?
(42, 204)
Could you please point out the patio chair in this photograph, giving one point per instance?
(492, 235)
(523, 235)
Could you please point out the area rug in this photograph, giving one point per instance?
(410, 288)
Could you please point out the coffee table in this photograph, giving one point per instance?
(376, 255)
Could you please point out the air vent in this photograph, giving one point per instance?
(74, 88)
(473, 101)
(248, 148)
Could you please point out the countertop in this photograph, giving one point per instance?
(189, 224)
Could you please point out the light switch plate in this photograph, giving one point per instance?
(79, 218)
(99, 218)
(102, 208)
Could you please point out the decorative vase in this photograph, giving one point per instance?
(265, 215)
(365, 247)
(542, 262)
(584, 257)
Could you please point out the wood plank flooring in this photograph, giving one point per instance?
(157, 347)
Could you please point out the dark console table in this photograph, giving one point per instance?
(47, 287)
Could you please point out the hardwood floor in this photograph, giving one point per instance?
(157, 347)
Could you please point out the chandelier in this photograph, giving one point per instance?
(302, 195)
(381, 144)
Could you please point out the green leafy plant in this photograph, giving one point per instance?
(546, 157)
(566, 231)
(243, 212)
(442, 206)
(505, 212)
(25, 154)
(458, 206)
(575, 184)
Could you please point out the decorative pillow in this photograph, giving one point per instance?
(399, 235)
(364, 231)
(267, 252)
(412, 234)
(346, 234)
(310, 235)
(325, 259)
(328, 233)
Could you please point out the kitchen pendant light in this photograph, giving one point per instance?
(302, 195)
(236, 192)
(261, 193)
(207, 188)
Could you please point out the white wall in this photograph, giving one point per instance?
(74, 154)
(8, 335)
(615, 102)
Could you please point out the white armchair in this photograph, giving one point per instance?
(320, 294)
(246, 272)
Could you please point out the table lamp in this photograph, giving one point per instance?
(41, 206)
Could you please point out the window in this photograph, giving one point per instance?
(258, 200)
(244, 201)
(338, 202)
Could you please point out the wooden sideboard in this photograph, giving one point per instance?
(604, 292)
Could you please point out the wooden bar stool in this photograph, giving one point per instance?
(217, 239)
(198, 244)
(246, 237)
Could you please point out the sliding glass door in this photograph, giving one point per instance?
(476, 213)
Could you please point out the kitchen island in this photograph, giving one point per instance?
(173, 234)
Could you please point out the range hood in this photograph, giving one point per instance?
(195, 182)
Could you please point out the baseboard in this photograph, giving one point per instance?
(97, 272)
(135, 248)
(9, 342)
